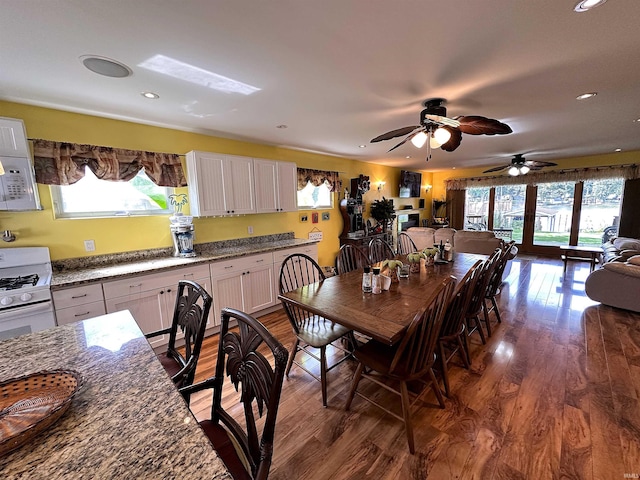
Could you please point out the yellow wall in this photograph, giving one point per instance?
(65, 237)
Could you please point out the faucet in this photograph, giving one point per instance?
(8, 236)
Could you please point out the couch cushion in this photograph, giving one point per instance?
(635, 260)
(624, 243)
(444, 234)
(623, 268)
(422, 236)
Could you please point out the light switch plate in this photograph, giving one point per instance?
(89, 246)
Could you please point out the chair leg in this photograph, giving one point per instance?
(436, 388)
(443, 364)
(465, 342)
(463, 351)
(496, 309)
(478, 327)
(354, 385)
(406, 413)
(292, 354)
(487, 321)
(323, 374)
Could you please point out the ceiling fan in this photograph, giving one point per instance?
(520, 165)
(441, 131)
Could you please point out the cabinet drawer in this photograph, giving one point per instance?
(77, 296)
(310, 250)
(144, 283)
(240, 264)
(80, 312)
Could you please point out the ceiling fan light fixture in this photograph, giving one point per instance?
(419, 139)
(524, 170)
(514, 171)
(442, 135)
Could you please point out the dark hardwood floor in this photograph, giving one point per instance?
(553, 394)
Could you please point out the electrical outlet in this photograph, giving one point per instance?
(89, 246)
(250, 230)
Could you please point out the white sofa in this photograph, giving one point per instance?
(463, 241)
(616, 284)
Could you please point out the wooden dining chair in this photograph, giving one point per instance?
(475, 309)
(406, 244)
(453, 334)
(411, 360)
(311, 331)
(245, 450)
(350, 258)
(190, 315)
(379, 250)
(493, 287)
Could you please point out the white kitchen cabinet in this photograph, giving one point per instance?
(151, 298)
(276, 186)
(13, 138)
(220, 184)
(279, 256)
(78, 303)
(244, 283)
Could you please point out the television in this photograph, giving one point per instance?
(410, 183)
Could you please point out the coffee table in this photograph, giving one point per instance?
(577, 252)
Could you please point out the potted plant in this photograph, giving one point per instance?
(382, 211)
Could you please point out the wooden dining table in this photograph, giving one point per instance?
(383, 316)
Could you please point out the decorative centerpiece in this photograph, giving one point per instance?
(429, 255)
(393, 266)
(383, 212)
(414, 261)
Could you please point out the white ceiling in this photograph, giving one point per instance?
(340, 72)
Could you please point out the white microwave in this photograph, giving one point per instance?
(18, 190)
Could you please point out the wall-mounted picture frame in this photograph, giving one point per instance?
(304, 217)
(314, 217)
(325, 216)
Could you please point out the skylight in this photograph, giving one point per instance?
(184, 71)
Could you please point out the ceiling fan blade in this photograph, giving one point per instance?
(477, 125)
(496, 169)
(405, 140)
(454, 141)
(540, 164)
(395, 133)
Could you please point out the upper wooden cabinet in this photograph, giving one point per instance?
(276, 186)
(220, 184)
(231, 185)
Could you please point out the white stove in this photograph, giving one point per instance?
(25, 296)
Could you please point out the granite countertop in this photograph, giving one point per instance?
(128, 421)
(79, 271)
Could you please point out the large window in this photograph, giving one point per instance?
(91, 197)
(477, 208)
(508, 212)
(600, 210)
(554, 209)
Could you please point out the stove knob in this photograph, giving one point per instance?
(6, 300)
(25, 297)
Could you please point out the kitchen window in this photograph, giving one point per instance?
(91, 197)
(315, 197)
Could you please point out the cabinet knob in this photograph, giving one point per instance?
(168, 290)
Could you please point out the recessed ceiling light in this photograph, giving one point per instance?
(150, 95)
(586, 5)
(618, 150)
(106, 66)
(584, 96)
(637, 120)
(190, 73)
(362, 146)
(408, 156)
(282, 126)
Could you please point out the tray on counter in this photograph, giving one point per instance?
(32, 403)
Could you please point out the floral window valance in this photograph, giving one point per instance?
(319, 177)
(59, 163)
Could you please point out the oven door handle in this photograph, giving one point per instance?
(28, 309)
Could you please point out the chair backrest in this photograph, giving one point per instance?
(482, 284)
(379, 250)
(297, 271)
(459, 304)
(350, 258)
(415, 354)
(496, 276)
(252, 374)
(190, 315)
(406, 244)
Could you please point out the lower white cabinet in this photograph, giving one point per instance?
(280, 255)
(244, 283)
(78, 303)
(151, 298)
